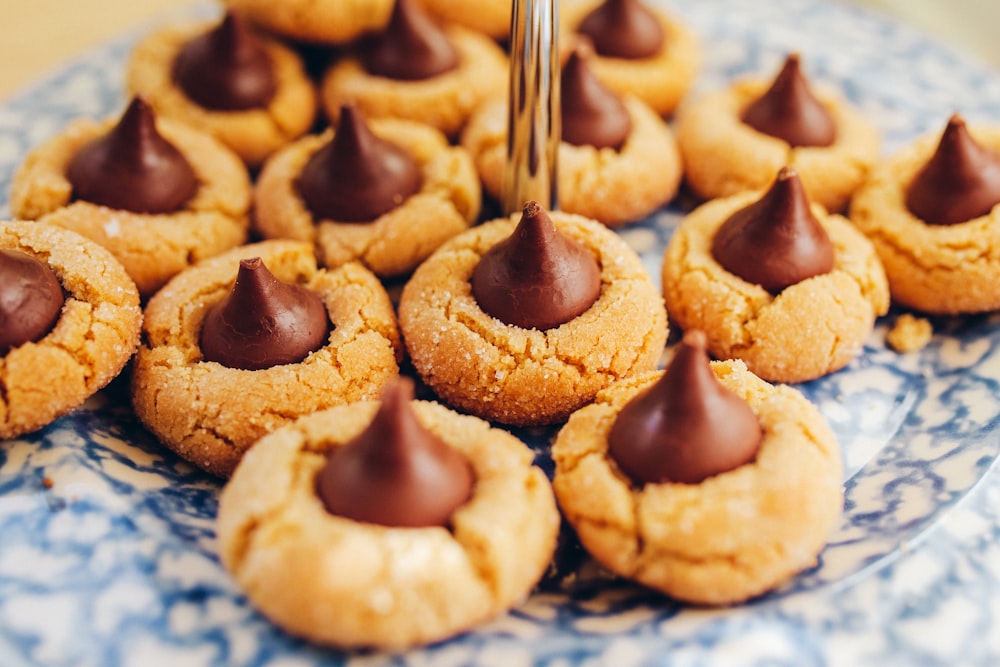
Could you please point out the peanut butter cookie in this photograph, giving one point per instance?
(254, 119)
(721, 540)
(349, 583)
(319, 22)
(210, 412)
(189, 203)
(71, 322)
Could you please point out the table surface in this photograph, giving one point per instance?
(42, 34)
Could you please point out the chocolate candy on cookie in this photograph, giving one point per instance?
(246, 89)
(702, 480)
(640, 49)
(776, 281)
(386, 523)
(157, 193)
(522, 320)
(384, 192)
(265, 324)
(69, 323)
(931, 211)
(734, 139)
(417, 70)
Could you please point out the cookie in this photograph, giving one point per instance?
(641, 50)
(152, 246)
(790, 332)
(320, 22)
(447, 202)
(81, 344)
(255, 106)
(946, 268)
(491, 17)
(338, 581)
(612, 186)
(521, 375)
(469, 68)
(724, 155)
(210, 413)
(727, 538)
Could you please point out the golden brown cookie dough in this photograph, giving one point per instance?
(807, 330)
(317, 21)
(660, 81)
(940, 269)
(732, 536)
(447, 203)
(254, 133)
(487, 16)
(612, 187)
(151, 247)
(91, 341)
(444, 101)
(210, 414)
(337, 581)
(480, 365)
(723, 155)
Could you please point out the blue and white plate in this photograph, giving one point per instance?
(107, 547)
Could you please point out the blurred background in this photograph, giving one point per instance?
(39, 35)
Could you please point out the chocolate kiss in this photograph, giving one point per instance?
(357, 176)
(31, 299)
(790, 112)
(411, 47)
(686, 427)
(263, 322)
(592, 115)
(226, 68)
(623, 29)
(775, 241)
(537, 277)
(395, 472)
(961, 181)
(132, 167)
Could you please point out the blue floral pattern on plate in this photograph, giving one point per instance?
(107, 553)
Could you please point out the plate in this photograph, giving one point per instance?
(107, 548)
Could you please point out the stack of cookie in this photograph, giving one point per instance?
(295, 194)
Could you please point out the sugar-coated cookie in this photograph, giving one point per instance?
(491, 17)
(612, 186)
(948, 267)
(523, 375)
(317, 21)
(210, 413)
(89, 334)
(660, 77)
(447, 202)
(724, 155)
(348, 583)
(727, 538)
(283, 105)
(152, 246)
(785, 333)
(444, 100)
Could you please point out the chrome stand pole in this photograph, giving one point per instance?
(533, 127)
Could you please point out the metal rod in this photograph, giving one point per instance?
(533, 126)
